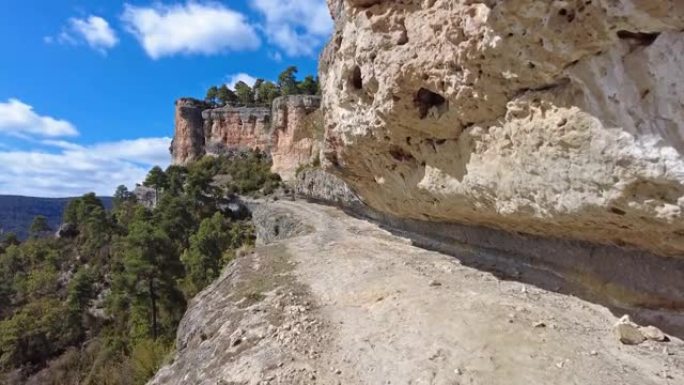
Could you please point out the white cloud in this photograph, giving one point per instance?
(96, 32)
(74, 169)
(233, 79)
(298, 27)
(190, 28)
(19, 119)
(92, 30)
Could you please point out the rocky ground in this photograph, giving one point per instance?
(342, 301)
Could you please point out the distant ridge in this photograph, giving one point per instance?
(17, 212)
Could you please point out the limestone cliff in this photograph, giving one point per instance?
(554, 118)
(297, 133)
(236, 128)
(291, 131)
(203, 130)
(188, 138)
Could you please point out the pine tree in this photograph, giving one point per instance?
(266, 93)
(309, 86)
(202, 259)
(245, 94)
(226, 96)
(150, 266)
(212, 95)
(287, 83)
(156, 178)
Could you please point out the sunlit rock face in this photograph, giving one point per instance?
(188, 138)
(558, 118)
(297, 133)
(291, 131)
(237, 128)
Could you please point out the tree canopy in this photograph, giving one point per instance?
(103, 306)
(263, 92)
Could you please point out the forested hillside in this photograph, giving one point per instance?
(17, 212)
(101, 305)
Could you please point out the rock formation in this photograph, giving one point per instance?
(236, 128)
(188, 138)
(553, 118)
(293, 137)
(297, 133)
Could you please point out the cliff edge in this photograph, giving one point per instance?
(342, 301)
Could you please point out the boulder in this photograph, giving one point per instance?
(628, 332)
(67, 230)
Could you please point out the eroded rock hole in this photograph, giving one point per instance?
(403, 38)
(399, 154)
(617, 211)
(356, 80)
(426, 99)
(642, 38)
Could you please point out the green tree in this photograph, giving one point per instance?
(9, 239)
(39, 226)
(150, 270)
(202, 259)
(287, 82)
(244, 93)
(309, 86)
(266, 93)
(33, 334)
(175, 216)
(80, 291)
(78, 210)
(226, 96)
(12, 269)
(212, 95)
(122, 195)
(176, 176)
(156, 178)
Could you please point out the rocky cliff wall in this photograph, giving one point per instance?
(291, 131)
(188, 138)
(551, 118)
(297, 133)
(237, 128)
(637, 282)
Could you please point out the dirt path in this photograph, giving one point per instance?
(349, 303)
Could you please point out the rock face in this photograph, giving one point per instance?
(188, 139)
(552, 118)
(292, 131)
(237, 128)
(146, 196)
(297, 133)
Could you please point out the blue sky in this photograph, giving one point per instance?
(87, 87)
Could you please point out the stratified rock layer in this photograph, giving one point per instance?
(297, 133)
(291, 131)
(555, 118)
(237, 128)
